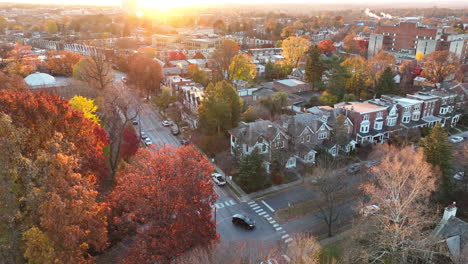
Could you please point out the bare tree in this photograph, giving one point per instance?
(304, 249)
(398, 228)
(95, 70)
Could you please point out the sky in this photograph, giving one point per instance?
(153, 3)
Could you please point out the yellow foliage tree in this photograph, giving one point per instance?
(294, 49)
(419, 56)
(242, 68)
(86, 106)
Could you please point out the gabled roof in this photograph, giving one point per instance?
(251, 132)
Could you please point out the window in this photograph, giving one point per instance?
(364, 128)
(416, 117)
(378, 125)
(416, 107)
(322, 135)
(407, 109)
(379, 115)
(264, 148)
(391, 121)
(443, 110)
(406, 119)
(308, 138)
(365, 118)
(291, 163)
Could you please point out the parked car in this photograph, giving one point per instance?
(166, 123)
(354, 168)
(134, 122)
(144, 135)
(371, 163)
(459, 176)
(175, 130)
(185, 142)
(456, 139)
(148, 141)
(218, 179)
(244, 221)
(369, 210)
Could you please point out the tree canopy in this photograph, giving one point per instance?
(242, 68)
(294, 49)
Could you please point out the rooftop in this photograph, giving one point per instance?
(291, 82)
(364, 107)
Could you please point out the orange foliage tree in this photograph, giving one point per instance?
(48, 114)
(12, 83)
(21, 60)
(326, 46)
(62, 62)
(164, 199)
(145, 73)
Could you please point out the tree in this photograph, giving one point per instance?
(165, 98)
(200, 76)
(349, 98)
(419, 56)
(399, 231)
(94, 70)
(336, 76)
(219, 25)
(52, 27)
(223, 56)
(339, 133)
(86, 106)
(328, 98)
(326, 46)
(438, 65)
(62, 62)
(438, 153)
(406, 70)
(359, 78)
(50, 212)
(220, 109)
(386, 84)
(379, 63)
(349, 43)
(276, 103)
(304, 250)
(251, 175)
(314, 67)
(294, 49)
(288, 31)
(164, 198)
(21, 61)
(12, 83)
(130, 143)
(145, 73)
(199, 55)
(177, 55)
(3, 24)
(242, 68)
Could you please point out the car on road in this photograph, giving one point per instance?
(166, 123)
(144, 135)
(354, 168)
(148, 141)
(456, 139)
(134, 122)
(459, 176)
(371, 163)
(218, 179)
(175, 130)
(184, 142)
(244, 221)
(369, 210)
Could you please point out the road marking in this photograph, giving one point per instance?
(251, 202)
(269, 207)
(227, 204)
(219, 205)
(259, 210)
(275, 225)
(266, 216)
(272, 222)
(284, 236)
(288, 240)
(286, 258)
(262, 213)
(232, 202)
(279, 228)
(255, 208)
(269, 218)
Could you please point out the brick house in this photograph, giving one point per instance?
(290, 86)
(368, 120)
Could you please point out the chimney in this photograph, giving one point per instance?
(450, 211)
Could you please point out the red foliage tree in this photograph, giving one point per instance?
(326, 46)
(46, 115)
(62, 62)
(177, 55)
(165, 199)
(12, 82)
(130, 143)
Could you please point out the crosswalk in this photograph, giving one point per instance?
(224, 204)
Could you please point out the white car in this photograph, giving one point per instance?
(148, 141)
(144, 135)
(369, 210)
(459, 176)
(166, 123)
(218, 179)
(455, 139)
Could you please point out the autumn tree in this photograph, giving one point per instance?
(12, 83)
(275, 103)
(438, 153)
(438, 65)
(399, 230)
(294, 49)
(328, 98)
(86, 106)
(146, 74)
(62, 62)
(165, 98)
(177, 55)
(359, 79)
(224, 55)
(406, 70)
(164, 200)
(349, 43)
(21, 61)
(197, 75)
(386, 84)
(314, 67)
(326, 46)
(251, 175)
(220, 109)
(288, 31)
(304, 249)
(242, 68)
(130, 143)
(94, 70)
(335, 76)
(340, 131)
(51, 26)
(379, 63)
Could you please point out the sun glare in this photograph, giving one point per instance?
(165, 4)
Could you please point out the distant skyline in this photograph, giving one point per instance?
(152, 3)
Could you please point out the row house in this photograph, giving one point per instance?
(409, 111)
(192, 95)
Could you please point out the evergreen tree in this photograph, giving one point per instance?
(438, 153)
(269, 71)
(336, 75)
(340, 131)
(386, 84)
(251, 175)
(314, 67)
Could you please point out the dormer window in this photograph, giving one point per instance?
(380, 115)
(365, 118)
(322, 135)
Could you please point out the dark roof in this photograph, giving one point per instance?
(455, 232)
(251, 132)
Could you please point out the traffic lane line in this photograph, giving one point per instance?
(267, 206)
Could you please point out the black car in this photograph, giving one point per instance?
(244, 221)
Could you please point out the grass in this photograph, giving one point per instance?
(233, 190)
(312, 205)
